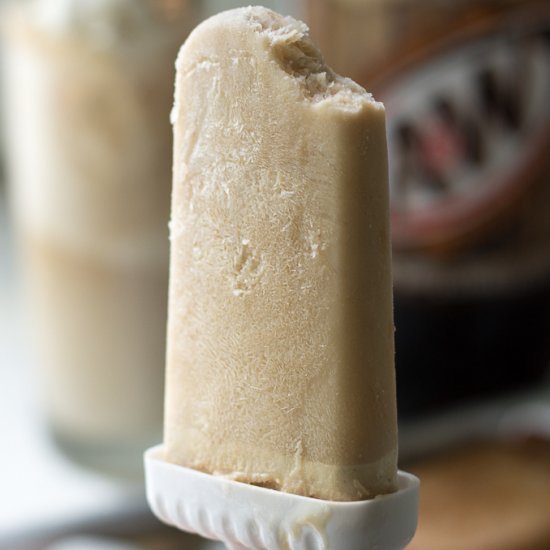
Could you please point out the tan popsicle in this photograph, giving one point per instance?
(280, 330)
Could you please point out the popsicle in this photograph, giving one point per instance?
(280, 349)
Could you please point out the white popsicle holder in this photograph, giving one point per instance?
(246, 517)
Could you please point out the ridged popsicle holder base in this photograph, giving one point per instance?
(249, 517)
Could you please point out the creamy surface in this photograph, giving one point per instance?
(280, 347)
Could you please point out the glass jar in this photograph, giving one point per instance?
(88, 88)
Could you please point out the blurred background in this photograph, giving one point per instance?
(85, 172)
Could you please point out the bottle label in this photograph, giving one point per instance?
(468, 131)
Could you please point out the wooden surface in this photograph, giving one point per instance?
(487, 496)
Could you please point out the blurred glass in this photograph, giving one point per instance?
(210, 7)
(88, 87)
(466, 87)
